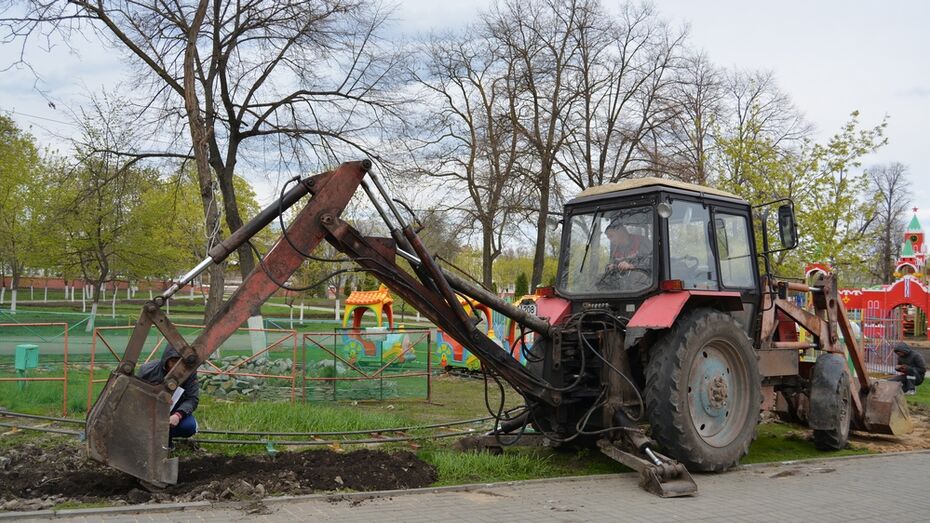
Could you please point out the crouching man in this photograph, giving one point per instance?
(181, 420)
(911, 368)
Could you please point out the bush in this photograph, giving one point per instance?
(521, 286)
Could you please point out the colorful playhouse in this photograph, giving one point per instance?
(902, 305)
(378, 345)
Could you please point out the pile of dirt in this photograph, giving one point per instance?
(917, 440)
(32, 477)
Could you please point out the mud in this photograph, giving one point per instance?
(33, 477)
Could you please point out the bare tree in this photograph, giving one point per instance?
(308, 80)
(537, 38)
(756, 110)
(625, 73)
(476, 155)
(890, 186)
(683, 148)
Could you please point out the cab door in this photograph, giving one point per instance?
(737, 269)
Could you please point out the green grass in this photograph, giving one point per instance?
(44, 397)
(515, 464)
(922, 398)
(81, 504)
(786, 442)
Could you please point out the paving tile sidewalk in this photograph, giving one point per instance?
(890, 487)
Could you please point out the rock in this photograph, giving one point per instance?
(136, 496)
(259, 490)
(13, 504)
(228, 385)
(243, 489)
(338, 480)
(5, 463)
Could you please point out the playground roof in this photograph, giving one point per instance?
(380, 296)
(914, 226)
(906, 250)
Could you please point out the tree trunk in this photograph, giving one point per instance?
(215, 296)
(246, 262)
(233, 218)
(97, 293)
(487, 261)
(14, 285)
(199, 139)
(539, 255)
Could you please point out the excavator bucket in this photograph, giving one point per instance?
(667, 481)
(886, 410)
(127, 429)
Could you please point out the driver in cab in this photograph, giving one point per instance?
(627, 250)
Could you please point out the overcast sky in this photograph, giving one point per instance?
(831, 57)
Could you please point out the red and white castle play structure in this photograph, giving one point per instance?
(910, 289)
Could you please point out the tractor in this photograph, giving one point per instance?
(660, 343)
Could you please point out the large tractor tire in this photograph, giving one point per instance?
(830, 402)
(703, 391)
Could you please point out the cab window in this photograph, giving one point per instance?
(691, 258)
(732, 234)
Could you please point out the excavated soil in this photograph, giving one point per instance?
(33, 477)
(917, 440)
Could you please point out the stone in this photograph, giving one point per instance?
(136, 496)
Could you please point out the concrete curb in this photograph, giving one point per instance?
(378, 494)
(104, 511)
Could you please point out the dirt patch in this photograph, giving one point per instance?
(32, 477)
(917, 440)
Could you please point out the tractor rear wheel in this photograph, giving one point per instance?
(830, 402)
(703, 391)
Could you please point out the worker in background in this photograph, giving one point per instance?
(911, 368)
(181, 421)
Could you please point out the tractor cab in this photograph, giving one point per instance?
(626, 242)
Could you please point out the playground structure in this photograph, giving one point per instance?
(370, 345)
(898, 309)
(453, 355)
(386, 343)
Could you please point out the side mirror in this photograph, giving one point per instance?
(787, 228)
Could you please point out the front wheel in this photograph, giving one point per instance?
(703, 391)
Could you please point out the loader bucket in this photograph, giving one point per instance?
(667, 481)
(886, 410)
(127, 429)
